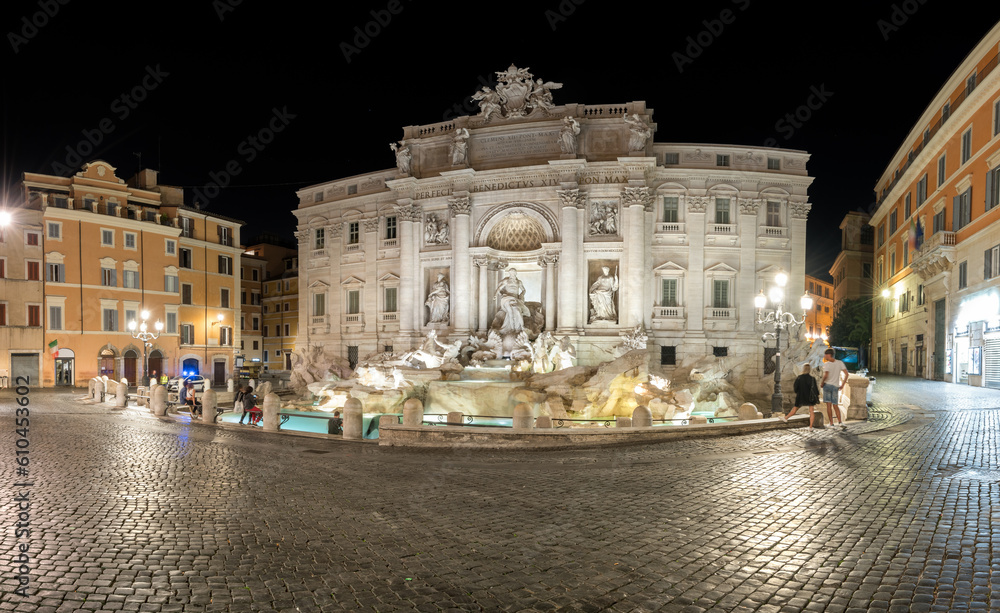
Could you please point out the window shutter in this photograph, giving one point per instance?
(955, 204)
(989, 189)
(987, 272)
(222, 264)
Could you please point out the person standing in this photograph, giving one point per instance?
(806, 394)
(152, 379)
(834, 378)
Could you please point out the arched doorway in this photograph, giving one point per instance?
(190, 367)
(64, 367)
(156, 362)
(130, 364)
(106, 364)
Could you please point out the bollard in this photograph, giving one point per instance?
(230, 386)
(642, 417)
(858, 386)
(209, 402)
(270, 407)
(413, 412)
(524, 417)
(543, 421)
(455, 418)
(623, 422)
(99, 391)
(747, 411)
(90, 388)
(158, 401)
(121, 395)
(353, 418)
(819, 417)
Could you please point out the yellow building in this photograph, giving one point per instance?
(852, 271)
(281, 300)
(253, 271)
(937, 307)
(113, 250)
(21, 302)
(820, 317)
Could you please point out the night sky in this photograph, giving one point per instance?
(188, 85)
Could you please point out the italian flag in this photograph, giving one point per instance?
(54, 348)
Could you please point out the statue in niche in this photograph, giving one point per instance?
(403, 157)
(639, 132)
(568, 134)
(562, 354)
(510, 296)
(438, 301)
(604, 218)
(435, 232)
(602, 297)
(459, 150)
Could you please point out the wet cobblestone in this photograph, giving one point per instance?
(135, 513)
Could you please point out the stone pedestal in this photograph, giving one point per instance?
(455, 418)
(642, 417)
(90, 388)
(121, 395)
(99, 391)
(353, 419)
(209, 402)
(524, 417)
(858, 385)
(158, 401)
(270, 408)
(413, 412)
(819, 417)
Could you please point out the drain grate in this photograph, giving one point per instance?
(315, 451)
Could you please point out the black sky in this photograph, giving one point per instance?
(225, 70)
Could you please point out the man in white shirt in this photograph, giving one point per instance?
(834, 378)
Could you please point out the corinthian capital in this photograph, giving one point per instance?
(571, 197)
(460, 206)
(749, 206)
(799, 210)
(408, 212)
(697, 204)
(635, 196)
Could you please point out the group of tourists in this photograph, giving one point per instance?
(833, 381)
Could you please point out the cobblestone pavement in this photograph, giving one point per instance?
(134, 513)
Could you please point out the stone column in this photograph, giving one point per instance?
(747, 280)
(369, 301)
(797, 214)
(121, 394)
(636, 199)
(270, 408)
(548, 261)
(158, 401)
(482, 298)
(407, 214)
(568, 306)
(353, 419)
(524, 417)
(209, 402)
(695, 278)
(461, 284)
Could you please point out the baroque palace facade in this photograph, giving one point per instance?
(937, 233)
(603, 229)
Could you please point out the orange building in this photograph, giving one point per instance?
(21, 301)
(937, 307)
(820, 317)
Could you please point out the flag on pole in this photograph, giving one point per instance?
(912, 234)
(920, 234)
(54, 348)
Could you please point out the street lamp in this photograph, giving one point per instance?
(141, 332)
(777, 317)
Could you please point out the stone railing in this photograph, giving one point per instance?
(722, 228)
(388, 317)
(668, 312)
(772, 231)
(388, 243)
(351, 318)
(718, 313)
(670, 227)
(352, 248)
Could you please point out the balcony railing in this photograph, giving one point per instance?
(938, 239)
(668, 312)
(351, 318)
(388, 243)
(722, 228)
(388, 317)
(719, 313)
(773, 231)
(670, 227)
(352, 248)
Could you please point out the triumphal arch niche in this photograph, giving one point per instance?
(531, 217)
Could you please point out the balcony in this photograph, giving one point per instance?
(719, 313)
(352, 248)
(668, 312)
(390, 243)
(773, 231)
(722, 228)
(671, 227)
(388, 317)
(720, 319)
(352, 319)
(935, 256)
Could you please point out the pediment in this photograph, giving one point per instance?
(319, 284)
(722, 268)
(389, 278)
(352, 280)
(669, 267)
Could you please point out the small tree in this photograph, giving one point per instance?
(852, 326)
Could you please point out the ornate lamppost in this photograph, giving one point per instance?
(140, 332)
(779, 319)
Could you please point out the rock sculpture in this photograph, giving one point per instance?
(602, 296)
(429, 353)
(438, 301)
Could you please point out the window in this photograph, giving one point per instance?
(390, 227)
(286, 306)
(867, 235)
(904, 302)
(722, 210)
(353, 302)
(55, 318)
(892, 263)
(34, 315)
(962, 205)
(185, 258)
(906, 254)
(109, 277)
(187, 227)
(263, 331)
(892, 222)
(33, 270)
(287, 285)
(171, 247)
(670, 206)
(668, 355)
(130, 316)
(942, 172)
(996, 117)
(319, 238)
(255, 275)
(55, 273)
(171, 323)
(720, 352)
(3, 313)
(390, 300)
(225, 265)
(31, 238)
(721, 160)
(922, 190)
(130, 240)
(671, 158)
(186, 294)
(720, 293)
(3, 268)
(970, 83)
(224, 297)
(255, 297)
(991, 263)
(287, 329)
(130, 279)
(225, 336)
(256, 345)
(108, 238)
(170, 284)
(907, 207)
(668, 293)
(319, 305)
(110, 319)
(878, 313)
(866, 270)
(773, 214)
(945, 112)
(992, 188)
(353, 232)
(773, 164)
(920, 295)
(256, 323)
(225, 236)
(54, 230)
(881, 235)
(187, 334)
(966, 145)
(879, 268)
(963, 275)
(938, 224)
